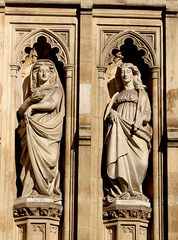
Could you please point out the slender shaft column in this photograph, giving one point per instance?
(157, 193)
(101, 102)
(14, 70)
(69, 179)
(8, 149)
(102, 94)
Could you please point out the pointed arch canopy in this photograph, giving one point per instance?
(54, 40)
(118, 40)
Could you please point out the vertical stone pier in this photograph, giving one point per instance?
(37, 218)
(126, 220)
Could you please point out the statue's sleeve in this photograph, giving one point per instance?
(110, 105)
(144, 105)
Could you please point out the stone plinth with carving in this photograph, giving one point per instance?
(126, 219)
(37, 218)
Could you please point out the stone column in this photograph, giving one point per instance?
(157, 181)
(14, 69)
(102, 93)
(69, 179)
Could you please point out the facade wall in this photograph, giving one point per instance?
(171, 86)
(88, 30)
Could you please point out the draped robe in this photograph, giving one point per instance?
(127, 153)
(40, 135)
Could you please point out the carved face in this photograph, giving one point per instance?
(118, 56)
(34, 58)
(43, 74)
(126, 75)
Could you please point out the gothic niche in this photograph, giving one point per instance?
(43, 50)
(132, 54)
(119, 179)
(128, 52)
(39, 135)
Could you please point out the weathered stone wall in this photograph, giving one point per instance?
(88, 23)
(171, 59)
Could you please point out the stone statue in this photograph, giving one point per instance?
(127, 137)
(40, 131)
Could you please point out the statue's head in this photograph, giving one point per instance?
(128, 72)
(43, 72)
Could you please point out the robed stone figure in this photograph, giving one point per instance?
(40, 130)
(127, 137)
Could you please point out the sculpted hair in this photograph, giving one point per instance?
(137, 81)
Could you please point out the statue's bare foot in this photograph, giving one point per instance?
(56, 197)
(110, 199)
(33, 194)
(124, 196)
(141, 197)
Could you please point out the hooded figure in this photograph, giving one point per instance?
(40, 132)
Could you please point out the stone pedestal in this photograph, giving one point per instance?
(37, 219)
(126, 220)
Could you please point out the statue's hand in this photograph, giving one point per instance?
(36, 96)
(139, 122)
(29, 111)
(113, 116)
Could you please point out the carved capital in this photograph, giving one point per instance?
(101, 69)
(101, 72)
(144, 213)
(14, 69)
(69, 71)
(155, 72)
(38, 211)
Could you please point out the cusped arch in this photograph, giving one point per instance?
(118, 40)
(54, 40)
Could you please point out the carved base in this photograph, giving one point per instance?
(37, 218)
(126, 220)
